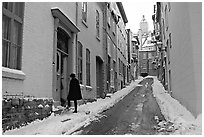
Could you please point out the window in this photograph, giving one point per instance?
(88, 82)
(168, 51)
(12, 26)
(169, 5)
(97, 24)
(144, 65)
(80, 62)
(109, 19)
(163, 27)
(170, 40)
(149, 55)
(84, 11)
(114, 27)
(144, 56)
(170, 81)
(119, 66)
(108, 72)
(166, 18)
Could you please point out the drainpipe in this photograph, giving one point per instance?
(76, 41)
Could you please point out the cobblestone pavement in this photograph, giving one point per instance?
(137, 113)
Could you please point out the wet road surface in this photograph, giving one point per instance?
(134, 114)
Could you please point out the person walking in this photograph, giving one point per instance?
(74, 92)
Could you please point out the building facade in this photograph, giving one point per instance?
(180, 43)
(147, 50)
(90, 51)
(116, 59)
(133, 56)
(41, 48)
(44, 45)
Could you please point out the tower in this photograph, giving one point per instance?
(144, 25)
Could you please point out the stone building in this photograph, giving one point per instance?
(179, 40)
(147, 50)
(41, 48)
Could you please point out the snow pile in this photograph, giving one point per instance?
(68, 122)
(183, 121)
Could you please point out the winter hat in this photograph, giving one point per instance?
(72, 75)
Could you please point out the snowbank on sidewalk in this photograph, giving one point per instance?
(176, 113)
(69, 122)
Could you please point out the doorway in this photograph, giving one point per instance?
(99, 77)
(62, 65)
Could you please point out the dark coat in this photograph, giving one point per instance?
(74, 90)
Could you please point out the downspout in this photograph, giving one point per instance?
(76, 41)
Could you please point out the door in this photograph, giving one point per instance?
(99, 77)
(62, 77)
(62, 66)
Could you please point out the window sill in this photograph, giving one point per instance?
(89, 88)
(12, 73)
(85, 23)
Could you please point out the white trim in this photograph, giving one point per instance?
(89, 88)
(12, 73)
(56, 12)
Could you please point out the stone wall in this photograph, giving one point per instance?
(18, 111)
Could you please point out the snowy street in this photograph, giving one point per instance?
(179, 122)
(134, 114)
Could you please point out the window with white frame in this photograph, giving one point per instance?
(88, 82)
(12, 33)
(84, 11)
(97, 24)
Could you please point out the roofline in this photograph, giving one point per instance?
(122, 11)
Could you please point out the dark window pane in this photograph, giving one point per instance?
(12, 57)
(62, 40)
(8, 6)
(18, 58)
(5, 48)
(12, 42)
(6, 28)
(17, 33)
(19, 9)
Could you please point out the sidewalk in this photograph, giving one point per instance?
(184, 122)
(69, 121)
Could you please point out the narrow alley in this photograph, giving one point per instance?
(135, 115)
(101, 68)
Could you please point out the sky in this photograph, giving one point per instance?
(135, 10)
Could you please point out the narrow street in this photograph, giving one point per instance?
(132, 115)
